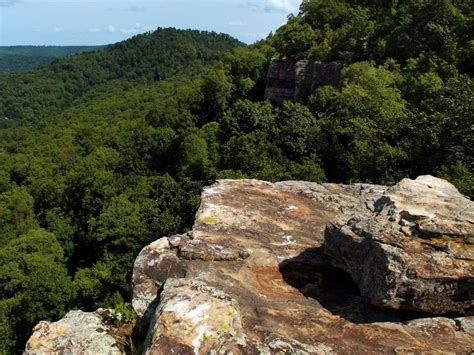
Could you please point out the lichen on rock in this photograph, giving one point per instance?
(87, 333)
(196, 317)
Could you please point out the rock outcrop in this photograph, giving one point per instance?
(296, 81)
(257, 251)
(77, 333)
(414, 250)
(254, 276)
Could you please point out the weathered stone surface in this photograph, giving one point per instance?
(155, 263)
(285, 293)
(296, 81)
(77, 333)
(413, 251)
(212, 252)
(195, 318)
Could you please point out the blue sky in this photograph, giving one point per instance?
(88, 22)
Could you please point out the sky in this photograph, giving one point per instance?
(89, 22)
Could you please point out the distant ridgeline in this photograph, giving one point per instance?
(20, 58)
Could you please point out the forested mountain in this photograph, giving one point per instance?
(21, 58)
(103, 152)
(145, 58)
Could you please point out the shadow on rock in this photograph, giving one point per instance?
(313, 275)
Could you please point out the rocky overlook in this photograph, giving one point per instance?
(297, 267)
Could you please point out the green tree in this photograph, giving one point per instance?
(16, 213)
(35, 284)
(295, 39)
(361, 134)
(295, 123)
(216, 90)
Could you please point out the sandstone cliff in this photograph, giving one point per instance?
(304, 268)
(296, 81)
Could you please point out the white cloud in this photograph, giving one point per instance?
(111, 29)
(279, 6)
(272, 6)
(57, 29)
(95, 29)
(137, 28)
(236, 23)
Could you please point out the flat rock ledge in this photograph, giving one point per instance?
(285, 268)
(414, 251)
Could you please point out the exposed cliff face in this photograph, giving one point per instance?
(296, 81)
(256, 276)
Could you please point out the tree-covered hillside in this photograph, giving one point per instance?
(22, 58)
(144, 58)
(405, 106)
(102, 153)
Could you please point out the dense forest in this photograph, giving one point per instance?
(21, 58)
(103, 152)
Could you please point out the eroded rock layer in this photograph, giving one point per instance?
(297, 80)
(414, 250)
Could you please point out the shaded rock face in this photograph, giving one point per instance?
(414, 251)
(296, 81)
(77, 333)
(154, 265)
(259, 281)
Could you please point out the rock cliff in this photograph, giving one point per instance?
(296, 81)
(304, 268)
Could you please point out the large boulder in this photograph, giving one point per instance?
(414, 251)
(77, 333)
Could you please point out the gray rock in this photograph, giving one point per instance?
(285, 296)
(413, 250)
(77, 333)
(197, 250)
(153, 266)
